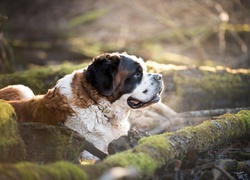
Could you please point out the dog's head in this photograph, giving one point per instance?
(121, 75)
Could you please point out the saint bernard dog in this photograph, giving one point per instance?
(95, 101)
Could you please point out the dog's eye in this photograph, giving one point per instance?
(137, 75)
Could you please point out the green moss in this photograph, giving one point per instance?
(6, 112)
(29, 171)
(234, 125)
(220, 83)
(39, 79)
(140, 160)
(157, 147)
(50, 143)
(202, 136)
(245, 116)
(65, 170)
(7, 124)
(158, 150)
(11, 145)
(210, 132)
(202, 88)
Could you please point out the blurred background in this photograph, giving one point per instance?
(191, 32)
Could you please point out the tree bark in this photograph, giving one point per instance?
(45, 144)
(151, 153)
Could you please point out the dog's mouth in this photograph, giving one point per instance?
(135, 103)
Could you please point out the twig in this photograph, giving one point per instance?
(212, 165)
(212, 112)
(88, 146)
(191, 118)
(3, 18)
(94, 150)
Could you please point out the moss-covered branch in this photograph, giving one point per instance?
(151, 153)
(158, 150)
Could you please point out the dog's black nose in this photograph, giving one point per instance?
(157, 77)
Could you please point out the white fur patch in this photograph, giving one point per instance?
(98, 124)
(64, 84)
(139, 60)
(24, 91)
(149, 84)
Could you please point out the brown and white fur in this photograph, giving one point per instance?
(94, 101)
(16, 92)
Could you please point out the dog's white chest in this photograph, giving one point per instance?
(100, 124)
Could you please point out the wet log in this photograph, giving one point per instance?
(151, 153)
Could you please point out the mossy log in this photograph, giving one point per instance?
(39, 79)
(26, 170)
(36, 142)
(158, 150)
(152, 152)
(202, 88)
(186, 88)
(46, 143)
(12, 147)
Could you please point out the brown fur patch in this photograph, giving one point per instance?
(83, 92)
(51, 108)
(54, 107)
(10, 93)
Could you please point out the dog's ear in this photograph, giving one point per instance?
(101, 73)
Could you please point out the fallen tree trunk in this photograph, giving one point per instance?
(45, 143)
(202, 88)
(179, 120)
(151, 153)
(36, 142)
(158, 150)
